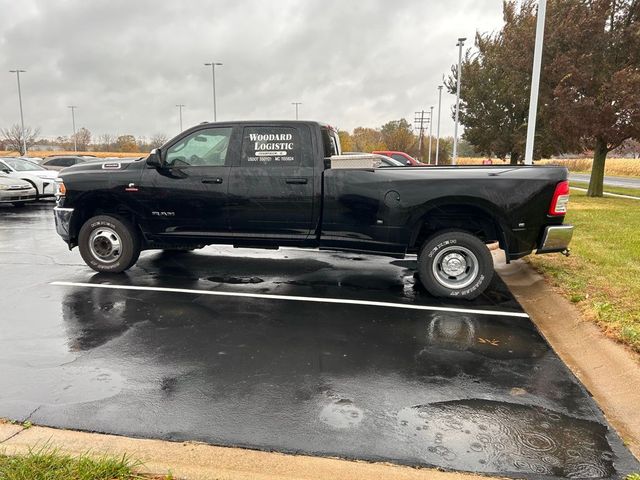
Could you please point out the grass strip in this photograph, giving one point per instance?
(602, 275)
(45, 463)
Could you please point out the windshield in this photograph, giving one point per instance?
(21, 165)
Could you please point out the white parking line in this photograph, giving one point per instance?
(619, 195)
(293, 298)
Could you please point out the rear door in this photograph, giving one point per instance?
(271, 188)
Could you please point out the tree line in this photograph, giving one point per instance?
(589, 96)
(397, 135)
(12, 139)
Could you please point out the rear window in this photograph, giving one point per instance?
(331, 142)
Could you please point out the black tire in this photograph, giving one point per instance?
(109, 244)
(455, 264)
(18, 204)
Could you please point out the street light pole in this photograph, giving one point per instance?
(430, 131)
(213, 74)
(535, 83)
(180, 107)
(460, 44)
(438, 129)
(17, 71)
(296, 104)
(73, 120)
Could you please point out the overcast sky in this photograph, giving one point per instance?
(126, 63)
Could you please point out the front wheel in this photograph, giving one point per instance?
(109, 244)
(455, 264)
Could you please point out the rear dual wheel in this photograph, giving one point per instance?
(109, 244)
(455, 264)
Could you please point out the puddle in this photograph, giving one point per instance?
(491, 436)
(341, 414)
(61, 385)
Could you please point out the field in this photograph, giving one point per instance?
(622, 167)
(602, 275)
(95, 154)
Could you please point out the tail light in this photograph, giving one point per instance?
(560, 199)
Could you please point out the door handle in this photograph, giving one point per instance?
(212, 180)
(296, 181)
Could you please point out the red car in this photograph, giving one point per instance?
(405, 158)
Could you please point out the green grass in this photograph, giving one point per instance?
(49, 464)
(634, 192)
(602, 275)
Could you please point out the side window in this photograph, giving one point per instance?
(271, 147)
(204, 148)
(399, 158)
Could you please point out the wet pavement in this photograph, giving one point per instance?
(458, 385)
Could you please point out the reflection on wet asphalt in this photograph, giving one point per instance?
(455, 390)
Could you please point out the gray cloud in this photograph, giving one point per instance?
(127, 63)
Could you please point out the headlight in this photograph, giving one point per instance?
(4, 187)
(61, 190)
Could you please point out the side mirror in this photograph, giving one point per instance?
(408, 163)
(155, 158)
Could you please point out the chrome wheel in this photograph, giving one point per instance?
(455, 267)
(105, 245)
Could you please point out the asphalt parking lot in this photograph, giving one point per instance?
(289, 351)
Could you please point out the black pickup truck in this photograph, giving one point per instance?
(271, 184)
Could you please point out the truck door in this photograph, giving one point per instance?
(271, 189)
(187, 197)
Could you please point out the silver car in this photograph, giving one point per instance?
(16, 191)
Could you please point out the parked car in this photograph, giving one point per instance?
(15, 191)
(40, 178)
(59, 162)
(384, 160)
(270, 184)
(401, 157)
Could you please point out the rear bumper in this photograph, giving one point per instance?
(556, 239)
(63, 221)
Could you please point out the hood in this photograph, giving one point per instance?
(105, 165)
(13, 182)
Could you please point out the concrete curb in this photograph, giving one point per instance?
(609, 370)
(196, 461)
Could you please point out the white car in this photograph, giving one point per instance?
(40, 178)
(16, 191)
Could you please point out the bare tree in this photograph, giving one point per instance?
(13, 139)
(83, 139)
(106, 142)
(157, 140)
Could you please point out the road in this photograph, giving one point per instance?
(320, 353)
(627, 182)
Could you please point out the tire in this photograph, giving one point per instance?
(109, 244)
(19, 204)
(455, 264)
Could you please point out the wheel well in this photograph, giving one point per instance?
(100, 205)
(468, 218)
(32, 184)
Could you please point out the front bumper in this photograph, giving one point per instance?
(22, 195)
(63, 221)
(556, 239)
